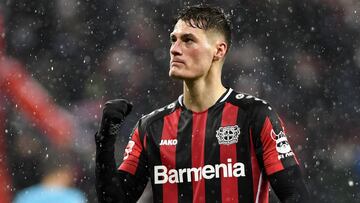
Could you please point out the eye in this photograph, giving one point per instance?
(187, 39)
(172, 40)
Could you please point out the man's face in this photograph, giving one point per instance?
(191, 52)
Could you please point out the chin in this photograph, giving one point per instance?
(180, 74)
(175, 75)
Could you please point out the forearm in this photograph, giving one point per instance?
(289, 185)
(113, 185)
(108, 183)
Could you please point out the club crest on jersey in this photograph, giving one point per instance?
(282, 144)
(228, 134)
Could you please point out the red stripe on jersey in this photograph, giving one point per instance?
(272, 163)
(260, 186)
(168, 153)
(229, 185)
(254, 167)
(145, 141)
(197, 153)
(132, 154)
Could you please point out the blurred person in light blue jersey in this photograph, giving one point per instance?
(56, 186)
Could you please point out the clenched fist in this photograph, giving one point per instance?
(114, 113)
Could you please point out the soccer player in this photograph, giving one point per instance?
(212, 144)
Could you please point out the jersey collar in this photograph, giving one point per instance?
(221, 99)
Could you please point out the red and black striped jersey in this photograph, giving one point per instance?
(223, 154)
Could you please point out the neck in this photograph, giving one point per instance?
(59, 179)
(201, 94)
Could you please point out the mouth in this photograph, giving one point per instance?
(176, 61)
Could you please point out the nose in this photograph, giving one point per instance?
(175, 49)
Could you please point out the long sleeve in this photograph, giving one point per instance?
(276, 156)
(115, 184)
(289, 185)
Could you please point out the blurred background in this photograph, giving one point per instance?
(62, 59)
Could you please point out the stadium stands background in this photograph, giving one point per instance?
(301, 56)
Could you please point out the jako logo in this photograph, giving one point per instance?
(163, 175)
(168, 142)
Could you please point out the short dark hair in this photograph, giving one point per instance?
(208, 18)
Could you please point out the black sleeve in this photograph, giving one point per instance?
(289, 185)
(113, 185)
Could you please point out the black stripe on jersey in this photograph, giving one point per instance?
(245, 194)
(183, 154)
(257, 126)
(142, 173)
(153, 154)
(212, 152)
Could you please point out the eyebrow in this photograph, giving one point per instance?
(183, 35)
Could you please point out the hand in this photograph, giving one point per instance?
(114, 113)
(116, 110)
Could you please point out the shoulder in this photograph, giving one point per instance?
(159, 114)
(30, 191)
(74, 195)
(248, 102)
(30, 194)
(257, 109)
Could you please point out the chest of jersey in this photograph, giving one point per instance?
(203, 152)
(186, 146)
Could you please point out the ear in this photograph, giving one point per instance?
(221, 49)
